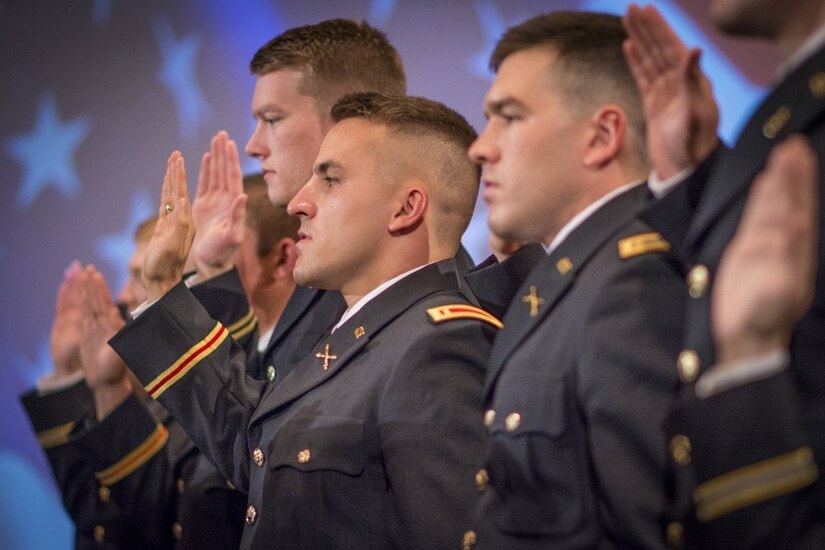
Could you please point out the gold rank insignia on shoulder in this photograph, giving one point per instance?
(643, 243)
(441, 314)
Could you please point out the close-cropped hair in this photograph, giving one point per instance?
(145, 229)
(590, 68)
(436, 139)
(269, 222)
(335, 57)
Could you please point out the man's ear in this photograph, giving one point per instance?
(283, 257)
(411, 210)
(608, 132)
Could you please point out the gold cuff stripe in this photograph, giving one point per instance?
(184, 364)
(54, 437)
(755, 483)
(243, 326)
(440, 314)
(643, 243)
(136, 458)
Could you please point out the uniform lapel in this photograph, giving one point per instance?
(342, 346)
(300, 301)
(556, 274)
(791, 107)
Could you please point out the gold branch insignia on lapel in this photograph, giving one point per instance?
(534, 300)
(326, 356)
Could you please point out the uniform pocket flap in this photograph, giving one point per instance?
(310, 443)
(529, 404)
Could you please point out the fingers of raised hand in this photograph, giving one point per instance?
(655, 41)
(204, 182)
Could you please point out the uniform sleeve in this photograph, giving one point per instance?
(431, 433)
(128, 453)
(187, 361)
(99, 521)
(224, 299)
(752, 471)
(627, 383)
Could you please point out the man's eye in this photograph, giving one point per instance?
(508, 118)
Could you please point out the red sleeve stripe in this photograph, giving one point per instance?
(187, 361)
(139, 456)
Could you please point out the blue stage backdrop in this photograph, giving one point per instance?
(97, 93)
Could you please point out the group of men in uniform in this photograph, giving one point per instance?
(612, 405)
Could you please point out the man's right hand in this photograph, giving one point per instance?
(219, 210)
(64, 341)
(174, 232)
(766, 276)
(680, 112)
(106, 374)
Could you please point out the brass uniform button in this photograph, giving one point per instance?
(564, 265)
(675, 534)
(258, 457)
(303, 456)
(469, 540)
(177, 530)
(512, 422)
(698, 279)
(100, 533)
(271, 373)
(482, 480)
(817, 85)
(181, 485)
(688, 365)
(104, 493)
(776, 122)
(251, 515)
(489, 418)
(680, 450)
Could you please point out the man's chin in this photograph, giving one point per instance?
(505, 231)
(277, 196)
(305, 277)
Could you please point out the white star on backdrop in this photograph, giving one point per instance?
(381, 11)
(493, 26)
(47, 153)
(177, 73)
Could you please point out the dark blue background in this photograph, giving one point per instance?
(97, 93)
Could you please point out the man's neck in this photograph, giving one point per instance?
(793, 36)
(268, 303)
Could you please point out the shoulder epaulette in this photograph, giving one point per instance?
(441, 314)
(643, 243)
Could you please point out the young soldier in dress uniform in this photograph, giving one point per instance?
(747, 442)
(135, 479)
(299, 76)
(370, 441)
(579, 380)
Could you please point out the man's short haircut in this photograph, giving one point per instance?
(335, 57)
(433, 140)
(269, 222)
(145, 229)
(592, 67)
